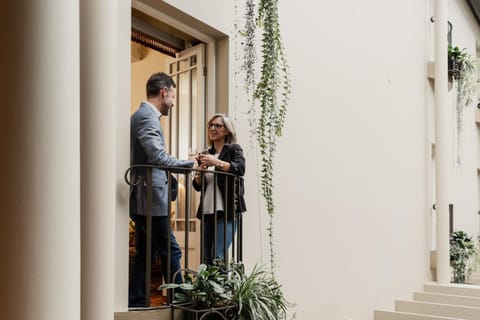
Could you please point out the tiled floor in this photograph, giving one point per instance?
(156, 297)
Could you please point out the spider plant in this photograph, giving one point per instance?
(258, 295)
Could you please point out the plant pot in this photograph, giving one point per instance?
(454, 68)
(458, 277)
(216, 313)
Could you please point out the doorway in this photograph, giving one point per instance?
(153, 51)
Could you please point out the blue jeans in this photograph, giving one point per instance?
(209, 236)
(160, 230)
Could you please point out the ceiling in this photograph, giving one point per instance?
(161, 36)
(475, 6)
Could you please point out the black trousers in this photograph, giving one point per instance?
(160, 230)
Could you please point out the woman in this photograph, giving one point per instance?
(224, 155)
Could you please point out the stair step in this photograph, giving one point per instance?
(447, 299)
(474, 278)
(438, 309)
(455, 289)
(395, 315)
(473, 281)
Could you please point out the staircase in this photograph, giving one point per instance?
(474, 278)
(438, 302)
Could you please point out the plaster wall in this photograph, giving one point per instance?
(352, 174)
(141, 71)
(354, 181)
(465, 34)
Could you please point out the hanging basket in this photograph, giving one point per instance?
(454, 68)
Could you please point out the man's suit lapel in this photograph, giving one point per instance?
(161, 130)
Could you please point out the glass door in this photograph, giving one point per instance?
(186, 135)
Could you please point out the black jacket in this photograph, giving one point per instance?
(234, 200)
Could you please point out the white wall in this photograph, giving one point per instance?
(357, 121)
(353, 181)
(208, 11)
(464, 34)
(140, 72)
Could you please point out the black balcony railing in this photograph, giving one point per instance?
(182, 206)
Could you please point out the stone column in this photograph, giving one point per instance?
(443, 141)
(122, 110)
(40, 160)
(105, 82)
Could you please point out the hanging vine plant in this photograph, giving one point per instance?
(272, 93)
(250, 55)
(463, 69)
(249, 61)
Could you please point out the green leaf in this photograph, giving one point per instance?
(169, 286)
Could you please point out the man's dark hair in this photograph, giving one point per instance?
(158, 81)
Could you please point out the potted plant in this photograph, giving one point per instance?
(462, 68)
(205, 294)
(456, 59)
(462, 249)
(221, 292)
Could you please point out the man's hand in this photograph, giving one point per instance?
(194, 158)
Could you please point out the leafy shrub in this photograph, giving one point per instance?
(462, 249)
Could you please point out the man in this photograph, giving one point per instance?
(147, 147)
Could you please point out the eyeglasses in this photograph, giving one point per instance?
(215, 125)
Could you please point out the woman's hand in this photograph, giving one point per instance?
(198, 175)
(207, 160)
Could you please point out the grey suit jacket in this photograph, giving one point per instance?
(147, 146)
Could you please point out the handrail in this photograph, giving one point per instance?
(174, 170)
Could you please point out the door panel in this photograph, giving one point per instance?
(186, 125)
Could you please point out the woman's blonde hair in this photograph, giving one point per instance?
(231, 137)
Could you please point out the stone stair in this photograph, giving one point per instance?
(474, 278)
(437, 302)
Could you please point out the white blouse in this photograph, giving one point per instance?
(208, 195)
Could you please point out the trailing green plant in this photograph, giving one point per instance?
(249, 52)
(259, 296)
(462, 250)
(463, 69)
(272, 92)
(249, 61)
